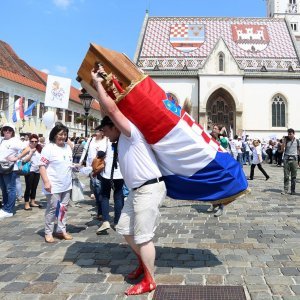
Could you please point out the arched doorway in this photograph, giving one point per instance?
(221, 109)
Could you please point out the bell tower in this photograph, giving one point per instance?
(282, 8)
(288, 9)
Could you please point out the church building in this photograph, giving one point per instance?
(240, 72)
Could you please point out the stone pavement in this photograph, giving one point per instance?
(254, 244)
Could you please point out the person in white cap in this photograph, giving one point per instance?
(10, 146)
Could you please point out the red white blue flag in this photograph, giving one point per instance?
(60, 211)
(18, 113)
(194, 166)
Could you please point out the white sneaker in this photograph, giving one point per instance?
(4, 214)
(105, 226)
(211, 208)
(219, 212)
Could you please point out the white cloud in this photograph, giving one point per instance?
(46, 71)
(62, 3)
(61, 69)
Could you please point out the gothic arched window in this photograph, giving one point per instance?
(278, 112)
(221, 62)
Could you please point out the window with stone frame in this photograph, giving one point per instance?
(278, 111)
(42, 110)
(4, 97)
(34, 110)
(68, 116)
(59, 113)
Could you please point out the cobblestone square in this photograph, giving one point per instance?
(254, 244)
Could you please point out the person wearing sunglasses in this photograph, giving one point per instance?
(32, 179)
(10, 147)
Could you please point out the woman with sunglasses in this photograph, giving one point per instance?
(32, 179)
(10, 146)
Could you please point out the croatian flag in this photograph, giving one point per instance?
(28, 111)
(194, 166)
(18, 113)
(60, 211)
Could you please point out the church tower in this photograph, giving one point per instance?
(289, 9)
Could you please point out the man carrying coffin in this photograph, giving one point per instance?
(140, 214)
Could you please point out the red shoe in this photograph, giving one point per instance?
(142, 287)
(145, 286)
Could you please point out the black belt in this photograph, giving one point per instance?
(151, 181)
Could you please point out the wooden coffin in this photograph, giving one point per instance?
(114, 63)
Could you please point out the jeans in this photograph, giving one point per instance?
(246, 157)
(240, 159)
(95, 184)
(118, 198)
(125, 190)
(290, 167)
(8, 187)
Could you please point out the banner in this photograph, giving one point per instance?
(57, 92)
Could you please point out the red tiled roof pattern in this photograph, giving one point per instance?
(10, 61)
(16, 70)
(157, 49)
(22, 80)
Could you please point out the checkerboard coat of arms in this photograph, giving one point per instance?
(254, 38)
(187, 37)
(193, 164)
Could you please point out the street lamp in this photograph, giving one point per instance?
(86, 101)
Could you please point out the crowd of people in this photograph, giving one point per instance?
(118, 160)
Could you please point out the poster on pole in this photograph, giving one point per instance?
(57, 91)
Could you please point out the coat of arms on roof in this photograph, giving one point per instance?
(254, 38)
(187, 37)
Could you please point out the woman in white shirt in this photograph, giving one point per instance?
(32, 179)
(56, 173)
(257, 160)
(10, 146)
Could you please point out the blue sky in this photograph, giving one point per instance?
(54, 35)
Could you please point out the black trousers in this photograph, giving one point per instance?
(260, 168)
(32, 181)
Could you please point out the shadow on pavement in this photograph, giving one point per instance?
(119, 259)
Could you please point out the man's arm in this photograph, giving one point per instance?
(109, 106)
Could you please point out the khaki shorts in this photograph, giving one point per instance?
(140, 214)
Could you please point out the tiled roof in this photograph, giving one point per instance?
(253, 42)
(16, 70)
(10, 61)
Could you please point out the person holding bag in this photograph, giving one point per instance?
(33, 177)
(10, 146)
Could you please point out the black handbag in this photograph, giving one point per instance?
(6, 167)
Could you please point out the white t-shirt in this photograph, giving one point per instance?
(58, 163)
(93, 148)
(10, 147)
(35, 162)
(255, 152)
(108, 164)
(137, 161)
(238, 146)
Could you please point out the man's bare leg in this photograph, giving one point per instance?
(147, 257)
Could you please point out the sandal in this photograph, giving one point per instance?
(49, 239)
